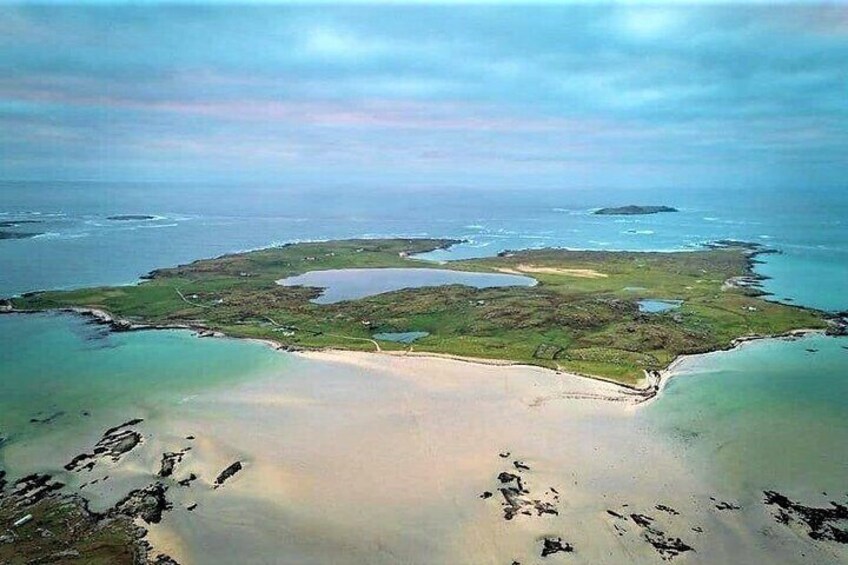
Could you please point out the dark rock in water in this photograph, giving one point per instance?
(667, 509)
(634, 210)
(148, 503)
(188, 480)
(811, 350)
(722, 505)
(486, 495)
(504, 454)
(521, 466)
(115, 443)
(33, 488)
(170, 460)
(163, 559)
(506, 477)
(642, 520)
(16, 223)
(227, 473)
(2, 480)
(130, 217)
(17, 234)
(668, 547)
(615, 514)
(821, 523)
(191, 507)
(127, 424)
(517, 498)
(47, 419)
(189, 438)
(555, 545)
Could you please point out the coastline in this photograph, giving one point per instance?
(352, 435)
(653, 382)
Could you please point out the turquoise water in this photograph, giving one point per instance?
(768, 413)
(400, 337)
(63, 364)
(771, 414)
(658, 306)
(350, 284)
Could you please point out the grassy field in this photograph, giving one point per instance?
(61, 531)
(582, 316)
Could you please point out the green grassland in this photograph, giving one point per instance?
(582, 316)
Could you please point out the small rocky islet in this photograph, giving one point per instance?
(634, 210)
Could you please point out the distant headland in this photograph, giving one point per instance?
(634, 210)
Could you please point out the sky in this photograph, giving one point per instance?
(736, 95)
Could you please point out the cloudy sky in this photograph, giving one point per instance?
(734, 95)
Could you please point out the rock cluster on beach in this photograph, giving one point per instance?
(42, 493)
(828, 523)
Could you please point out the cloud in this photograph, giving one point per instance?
(388, 90)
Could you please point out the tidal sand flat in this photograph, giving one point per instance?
(376, 458)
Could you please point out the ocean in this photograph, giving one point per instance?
(768, 415)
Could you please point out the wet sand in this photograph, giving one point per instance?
(363, 458)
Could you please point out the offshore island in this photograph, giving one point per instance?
(618, 316)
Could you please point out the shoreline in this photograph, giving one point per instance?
(654, 380)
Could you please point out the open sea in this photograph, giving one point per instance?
(769, 415)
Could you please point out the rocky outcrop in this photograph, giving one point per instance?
(820, 523)
(517, 498)
(170, 460)
(148, 503)
(228, 473)
(34, 488)
(114, 444)
(555, 545)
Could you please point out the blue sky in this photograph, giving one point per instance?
(611, 96)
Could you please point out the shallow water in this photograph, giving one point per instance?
(76, 374)
(658, 306)
(769, 415)
(350, 284)
(400, 337)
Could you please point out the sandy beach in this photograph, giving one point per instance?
(364, 458)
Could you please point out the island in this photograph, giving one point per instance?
(130, 217)
(633, 210)
(618, 316)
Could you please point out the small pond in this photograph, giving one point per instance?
(400, 337)
(650, 306)
(350, 284)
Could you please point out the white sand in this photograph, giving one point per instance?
(364, 458)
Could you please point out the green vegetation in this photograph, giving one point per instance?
(583, 315)
(61, 530)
